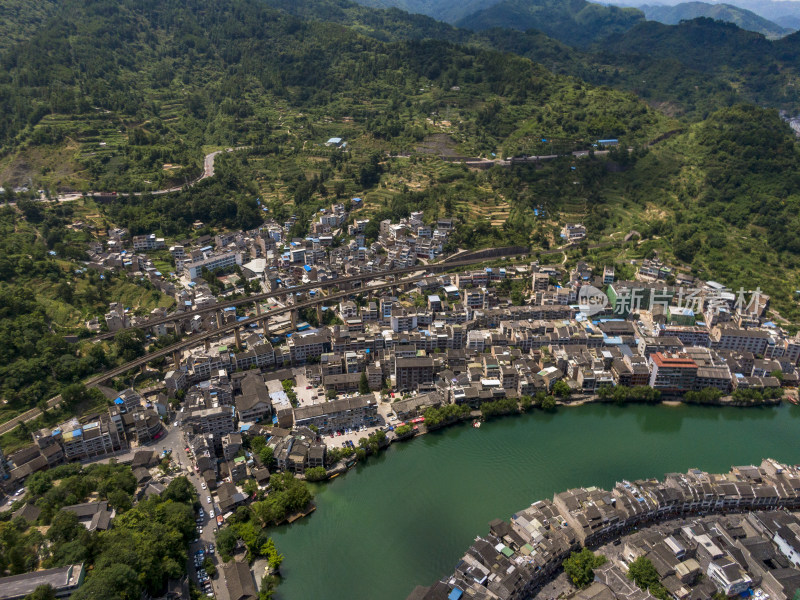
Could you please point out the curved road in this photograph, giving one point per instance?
(208, 171)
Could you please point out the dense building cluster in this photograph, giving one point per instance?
(755, 548)
(130, 421)
(476, 335)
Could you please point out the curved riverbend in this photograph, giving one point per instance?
(406, 517)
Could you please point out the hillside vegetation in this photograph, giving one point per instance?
(130, 94)
(186, 76)
(686, 11)
(575, 22)
(783, 13)
(441, 10)
(19, 19)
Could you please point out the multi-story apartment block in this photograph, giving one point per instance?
(345, 413)
(303, 348)
(740, 340)
(672, 374)
(688, 335)
(217, 421)
(475, 298)
(147, 242)
(212, 261)
(411, 372)
(95, 439)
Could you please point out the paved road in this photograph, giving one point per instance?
(28, 415)
(197, 339)
(499, 162)
(208, 171)
(175, 441)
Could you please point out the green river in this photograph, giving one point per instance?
(406, 517)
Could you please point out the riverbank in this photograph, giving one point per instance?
(529, 550)
(421, 428)
(411, 516)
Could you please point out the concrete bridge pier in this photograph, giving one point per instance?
(319, 313)
(293, 315)
(208, 344)
(176, 358)
(265, 326)
(258, 308)
(219, 319)
(238, 335)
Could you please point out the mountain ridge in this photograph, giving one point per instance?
(785, 13)
(575, 22)
(742, 18)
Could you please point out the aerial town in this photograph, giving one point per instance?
(330, 348)
(699, 535)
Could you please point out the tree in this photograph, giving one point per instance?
(548, 403)
(120, 500)
(209, 566)
(363, 384)
(250, 487)
(580, 566)
(402, 430)
(180, 489)
(43, 592)
(76, 393)
(129, 343)
(226, 543)
(117, 581)
(316, 473)
(561, 389)
(266, 455)
(643, 573)
(273, 558)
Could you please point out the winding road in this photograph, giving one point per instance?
(208, 171)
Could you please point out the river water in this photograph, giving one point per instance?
(406, 517)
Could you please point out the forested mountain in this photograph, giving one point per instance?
(441, 10)
(785, 13)
(732, 191)
(19, 19)
(130, 94)
(574, 22)
(702, 64)
(745, 19)
(199, 73)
